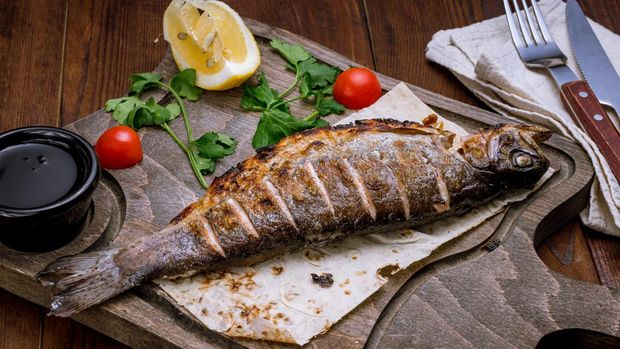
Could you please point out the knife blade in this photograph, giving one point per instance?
(591, 57)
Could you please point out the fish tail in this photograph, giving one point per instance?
(83, 280)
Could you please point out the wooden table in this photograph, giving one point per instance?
(61, 60)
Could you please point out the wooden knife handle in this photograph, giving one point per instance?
(589, 113)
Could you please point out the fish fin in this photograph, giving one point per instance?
(82, 281)
(538, 133)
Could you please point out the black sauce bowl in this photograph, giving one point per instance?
(50, 226)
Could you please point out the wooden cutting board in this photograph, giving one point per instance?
(487, 288)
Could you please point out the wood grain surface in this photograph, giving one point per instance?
(56, 70)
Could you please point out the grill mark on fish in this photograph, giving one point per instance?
(442, 187)
(317, 181)
(211, 237)
(402, 192)
(274, 193)
(244, 220)
(362, 190)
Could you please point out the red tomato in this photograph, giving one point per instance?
(119, 147)
(357, 88)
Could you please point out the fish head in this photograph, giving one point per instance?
(509, 153)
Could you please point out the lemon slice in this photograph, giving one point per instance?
(211, 37)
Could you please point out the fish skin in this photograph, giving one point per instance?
(311, 188)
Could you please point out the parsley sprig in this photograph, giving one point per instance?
(315, 81)
(133, 111)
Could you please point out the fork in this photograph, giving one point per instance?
(537, 49)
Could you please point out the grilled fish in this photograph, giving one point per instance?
(311, 188)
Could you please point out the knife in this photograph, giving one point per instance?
(592, 59)
(602, 84)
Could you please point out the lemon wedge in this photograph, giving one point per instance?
(211, 37)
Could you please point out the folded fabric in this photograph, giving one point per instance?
(483, 58)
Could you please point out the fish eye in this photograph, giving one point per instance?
(522, 160)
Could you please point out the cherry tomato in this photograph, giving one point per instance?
(357, 88)
(119, 147)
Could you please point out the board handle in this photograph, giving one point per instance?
(589, 113)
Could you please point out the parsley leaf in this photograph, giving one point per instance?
(122, 107)
(160, 114)
(328, 106)
(320, 123)
(174, 108)
(184, 83)
(204, 164)
(150, 114)
(215, 145)
(274, 125)
(210, 147)
(319, 75)
(304, 88)
(259, 97)
(139, 117)
(307, 90)
(316, 121)
(293, 54)
(143, 81)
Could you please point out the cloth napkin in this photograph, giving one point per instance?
(483, 58)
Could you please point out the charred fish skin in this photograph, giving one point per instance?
(311, 188)
(343, 180)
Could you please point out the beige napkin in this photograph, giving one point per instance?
(483, 58)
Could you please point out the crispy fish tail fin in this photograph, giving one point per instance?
(82, 281)
(87, 279)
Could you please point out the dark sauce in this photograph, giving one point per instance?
(35, 174)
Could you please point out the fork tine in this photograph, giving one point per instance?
(514, 32)
(541, 23)
(526, 34)
(533, 27)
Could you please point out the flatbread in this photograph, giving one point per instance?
(276, 300)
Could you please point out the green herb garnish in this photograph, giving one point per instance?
(136, 113)
(315, 81)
